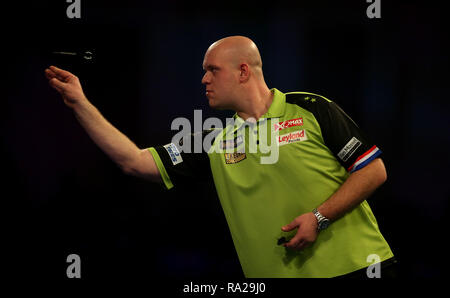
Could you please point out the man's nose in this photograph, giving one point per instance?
(205, 79)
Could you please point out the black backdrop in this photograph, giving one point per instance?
(62, 195)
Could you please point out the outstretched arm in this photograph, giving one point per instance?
(116, 145)
(358, 187)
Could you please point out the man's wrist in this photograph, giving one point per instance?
(83, 108)
(322, 221)
(81, 103)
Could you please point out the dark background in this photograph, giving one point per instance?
(62, 195)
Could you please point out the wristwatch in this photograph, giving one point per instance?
(322, 221)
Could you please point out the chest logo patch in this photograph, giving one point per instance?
(288, 123)
(231, 158)
(292, 137)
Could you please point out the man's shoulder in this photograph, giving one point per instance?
(299, 97)
(312, 102)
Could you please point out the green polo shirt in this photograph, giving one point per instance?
(314, 147)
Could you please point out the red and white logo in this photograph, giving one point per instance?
(292, 137)
(288, 123)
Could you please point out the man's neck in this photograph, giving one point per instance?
(256, 106)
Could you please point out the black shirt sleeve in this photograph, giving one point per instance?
(349, 144)
(180, 160)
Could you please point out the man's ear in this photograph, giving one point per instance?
(244, 73)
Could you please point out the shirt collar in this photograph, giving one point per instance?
(276, 109)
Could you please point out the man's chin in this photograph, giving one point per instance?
(213, 104)
(216, 106)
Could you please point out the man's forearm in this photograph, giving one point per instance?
(110, 140)
(354, 190)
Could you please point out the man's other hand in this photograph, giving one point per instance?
(306, 233)
(67, 84)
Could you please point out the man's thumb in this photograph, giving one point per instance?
(289, 227)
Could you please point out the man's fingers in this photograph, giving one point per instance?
(289, 227)
(301, 245)
(63, 75)
(294, 242)
(49, 74)
(297, 244)
(57, 84)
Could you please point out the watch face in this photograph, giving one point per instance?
(324, 224)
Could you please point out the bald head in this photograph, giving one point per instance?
(237, 50)
(233, 74)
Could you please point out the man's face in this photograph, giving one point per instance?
(220, 79)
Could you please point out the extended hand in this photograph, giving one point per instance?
(66, 84)
(306, 233)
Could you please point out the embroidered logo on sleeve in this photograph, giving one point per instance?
(349, 149)
(174, 154)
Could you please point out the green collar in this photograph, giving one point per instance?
(276, 109)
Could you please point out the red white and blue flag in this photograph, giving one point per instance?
(364, 159)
